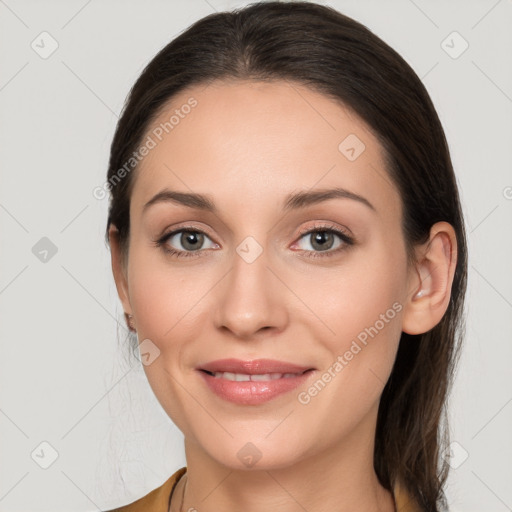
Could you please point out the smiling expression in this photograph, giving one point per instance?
(265, 225)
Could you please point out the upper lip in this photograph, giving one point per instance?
(254, 367)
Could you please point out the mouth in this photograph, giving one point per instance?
(255, 377)
(254, 367)
(253, 382)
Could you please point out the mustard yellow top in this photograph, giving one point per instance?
(158, 499)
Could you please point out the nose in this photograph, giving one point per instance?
(251, 299)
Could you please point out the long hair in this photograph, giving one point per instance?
(319, 47)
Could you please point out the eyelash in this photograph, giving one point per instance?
(346, 239)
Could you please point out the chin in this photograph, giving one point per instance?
(253, 453)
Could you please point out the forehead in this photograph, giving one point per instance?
(259, 141)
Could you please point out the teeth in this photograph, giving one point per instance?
(244, 377)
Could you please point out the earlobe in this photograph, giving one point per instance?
(431, 280)
(119, 270)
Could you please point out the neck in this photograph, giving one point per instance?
(339, 479)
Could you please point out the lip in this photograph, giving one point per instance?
(253, 392)
(253, 367)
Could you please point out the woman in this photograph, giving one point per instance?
(288, 245)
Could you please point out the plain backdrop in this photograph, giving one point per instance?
(70, 398)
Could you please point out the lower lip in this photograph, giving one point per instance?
(253, 393)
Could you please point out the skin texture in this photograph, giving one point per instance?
(248, 145)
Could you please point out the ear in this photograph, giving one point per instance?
(119, 270)
(430, 281)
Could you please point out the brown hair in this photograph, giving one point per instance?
(332, 54)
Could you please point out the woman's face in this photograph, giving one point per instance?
(248, 283)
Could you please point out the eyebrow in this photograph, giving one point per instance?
(294, 201)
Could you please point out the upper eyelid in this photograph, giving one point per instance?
(306, 231)
(177, 230)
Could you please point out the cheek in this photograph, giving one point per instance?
(365, 318)
(162, 303)
(166, 304)
(167, 299)
(363, 311)
(356, 295)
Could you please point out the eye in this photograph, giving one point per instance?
(324, 239)
(328, 240)
(190, 239)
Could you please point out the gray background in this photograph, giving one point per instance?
(65, 378)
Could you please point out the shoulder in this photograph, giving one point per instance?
(404, 501)
(158, 499)
(155, 501)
